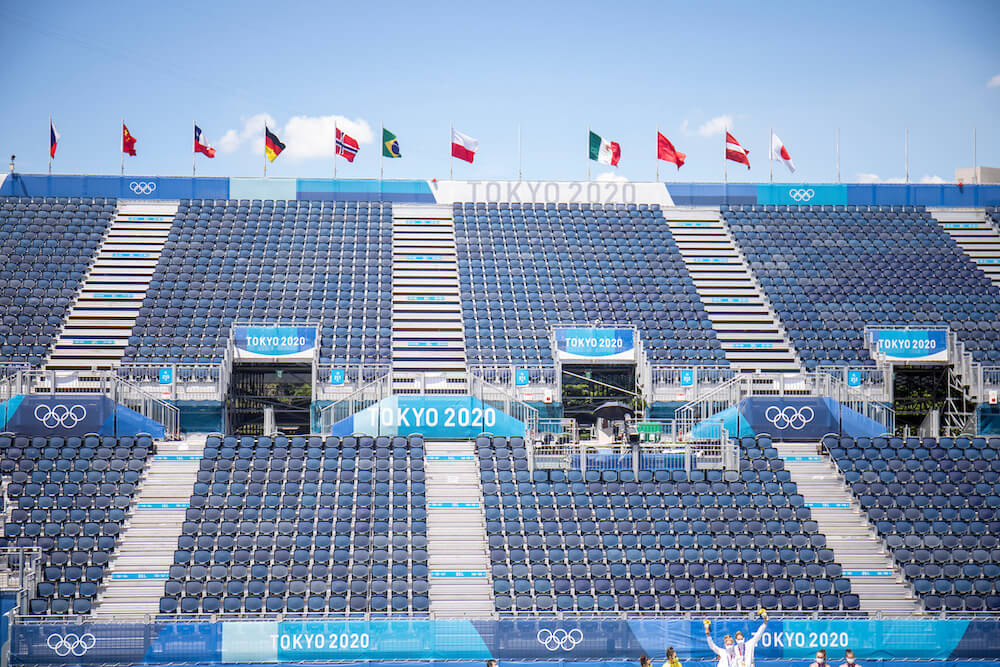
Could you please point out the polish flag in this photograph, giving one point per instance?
(780, 153)
(735, 152)
(463, 146)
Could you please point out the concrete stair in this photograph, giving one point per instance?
(137, 571)
(874, 576)
(976, 235)
(458, 559)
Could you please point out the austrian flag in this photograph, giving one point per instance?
(735, 152)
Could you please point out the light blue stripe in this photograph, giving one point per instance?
(113, 295)
(867, 573)
(828, 505)
(713, 260)
(171, 457)
(753, 346)
(93, 341)
(803, 458)
(436, 506)
(423, 258)
(426, 343)
(449, 458)
(425, 298)
(697, 224)
(458, 574)
(140, 575)
(987, 260)
(163, 506)
(132, 254)
(961, 225)
(729, 299)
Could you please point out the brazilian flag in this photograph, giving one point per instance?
(390, 146)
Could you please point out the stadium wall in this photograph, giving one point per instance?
(445, 192)
(328, 641)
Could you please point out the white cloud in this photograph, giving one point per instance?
(865, 177)
(932, 180)
(611, 177)
(716, 126)
(304, 137)
(994, 82)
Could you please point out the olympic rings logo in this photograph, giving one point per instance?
(63, 645)
(789, 417)
(60, 415)
(554, 640)
(142, 187)
(802, 194)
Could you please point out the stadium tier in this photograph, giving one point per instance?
(46, 247)
(325, 263)
(936, 504)
(526, 267)
(304, 525)
(832, 272)
(70, 497)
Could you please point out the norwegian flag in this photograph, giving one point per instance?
(735, 152)
(347, 146)
(780, 153)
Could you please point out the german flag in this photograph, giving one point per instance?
(272, 145)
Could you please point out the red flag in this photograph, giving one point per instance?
(665, 151)
(463, 146)
(128, 141)
(347, 146)
(202, 146)
(735, 152)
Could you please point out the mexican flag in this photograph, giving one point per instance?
(604, 151)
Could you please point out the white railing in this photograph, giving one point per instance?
(190, 382)
(506, 375)
(20, 570)
(501, 399)
(363, 397)
(556, 430)
(670, 383)
(354, 377)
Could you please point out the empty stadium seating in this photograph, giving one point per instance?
(304, 525)
(70, 497)
(320, 262)
(524, 268)
(662, 541)
(936, 503)
(46, 247)
(829, 271)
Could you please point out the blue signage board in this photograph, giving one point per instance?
(522, 378)
(807, 194)
(274, 342)
(166, 376)
(434, 417)
(853, 378)
(595, 345)
(912, 345)
(687, 378)
(337, 376)
(563, 640)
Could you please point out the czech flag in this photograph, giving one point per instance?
(202, 147)
(347, 146)
(128, 141)
(272, 145)
(53, 139)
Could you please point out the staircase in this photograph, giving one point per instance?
(749, 330)
(460, 581)
(138, 569)
(98, 326)
(974, 233)
(427, 330)
(874, 577)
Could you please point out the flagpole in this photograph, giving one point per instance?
(334, 149)
(381, 127)
(50, 144)
(838, 154)
(770, 158)
(657, 153)
(588, 153)
(519, 151)
(451, 153)
(725, 167)
(194, 153)
(906, 154)
(123, 145)
(975, 173)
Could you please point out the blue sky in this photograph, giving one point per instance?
(556, 68)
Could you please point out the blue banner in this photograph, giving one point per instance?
(564, 641)
(73, 414)
(599, 345)
(908, 345)
(790, 418)
(271, 342)
(805, 194)
(445, 417)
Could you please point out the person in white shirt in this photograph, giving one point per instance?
(745, 649)
(727, 654)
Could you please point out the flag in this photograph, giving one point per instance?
(128, 141)
(347, 146)
(272, 145)
(604, 151)
(200, 147)
(735, 152)
(665, 151)
(463, 146)
(390, 146)
(780, 153)
(53, 139)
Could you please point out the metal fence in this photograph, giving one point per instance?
(187, 382)
(20, 570)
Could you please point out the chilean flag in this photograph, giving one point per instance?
(780, 153)
(735, 152)
(199, 146)
(463, 146)
(53, 139)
